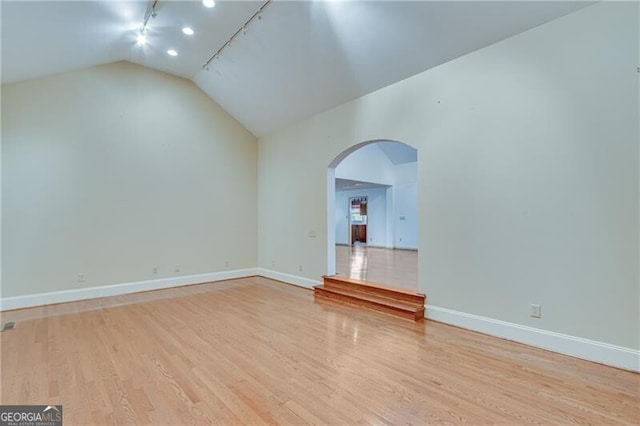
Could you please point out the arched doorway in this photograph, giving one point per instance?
(372, 213)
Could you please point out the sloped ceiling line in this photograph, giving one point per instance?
(304, 57)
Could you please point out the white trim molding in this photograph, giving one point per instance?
(591, 350)
(18, 302)
(604, 353)
(288, 278)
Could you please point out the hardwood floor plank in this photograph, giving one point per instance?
(397, 268)
(255, 351)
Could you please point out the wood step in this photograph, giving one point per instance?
(371, 301)
(401, 294)
(397, 301)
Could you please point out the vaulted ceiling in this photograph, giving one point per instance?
(298, 59)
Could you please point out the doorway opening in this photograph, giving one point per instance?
(358, 220)
(372, 217)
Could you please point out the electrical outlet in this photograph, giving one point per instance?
(80, 277)
(300, 267)
(226, 263)
(536, 311)
(154, 270)
(176, 268)
(273, 263)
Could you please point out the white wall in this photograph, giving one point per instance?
(405, 217)
(367, 164)
(113, 170)
(528, 178)
(406, 173)
(405, 212)
(376, 212)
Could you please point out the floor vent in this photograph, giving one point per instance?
(10, 325)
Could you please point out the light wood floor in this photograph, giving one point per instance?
(397, 268)
(255, 351)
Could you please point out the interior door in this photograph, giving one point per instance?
(358, 218)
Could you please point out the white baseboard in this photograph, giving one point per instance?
(18, 302)
(604, 353)
(405, 248)
(377, 246)
(389, 247)
(592, 350)
(287, 278)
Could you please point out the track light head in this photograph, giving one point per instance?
(243, 29)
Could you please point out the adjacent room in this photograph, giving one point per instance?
(376, 214)
(320, 212)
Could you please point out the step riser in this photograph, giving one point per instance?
(417, 299)
(415, 316)
(372, 298)
(396, 301)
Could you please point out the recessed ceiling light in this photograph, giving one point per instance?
(187, 30)
(208, 3)
(141, 39)
(172, 52)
